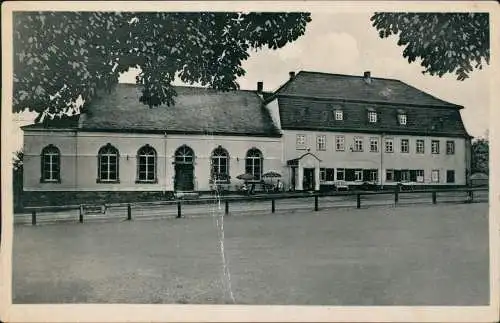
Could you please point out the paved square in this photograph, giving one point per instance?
(412, 255)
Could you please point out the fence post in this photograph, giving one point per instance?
(434, 197)
(179, 214)
(33, 217)
(226, 210)
(358, 200)
(316, 202)
(129, 212)
(81, 214)
(273, 206)
(396, 195)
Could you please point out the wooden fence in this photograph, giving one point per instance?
(93, 209)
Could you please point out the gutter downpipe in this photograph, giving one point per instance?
(381, 160)
(166, 161)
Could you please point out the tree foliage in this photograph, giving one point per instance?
(445, 42)
(480, 156)
(61, 55)
(17, 160)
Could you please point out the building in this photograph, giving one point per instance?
(352, 128)
(315, 129)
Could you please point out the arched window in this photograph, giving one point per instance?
(220, 164)
(184, 155)
(51, 164)
(146, 164)
(108, 164)
(253, 163)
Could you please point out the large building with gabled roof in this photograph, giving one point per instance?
(315, 130)
(361, 128)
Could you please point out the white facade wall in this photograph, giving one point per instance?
(331, 158)
(79, 158)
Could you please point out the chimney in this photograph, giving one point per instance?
(367, 77)
(260, 87)
(292, 75)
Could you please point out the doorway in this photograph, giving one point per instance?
(309, 180)
(184, 169)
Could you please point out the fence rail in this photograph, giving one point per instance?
(85, 209)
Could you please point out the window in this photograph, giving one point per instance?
(358, 175)
(327, 174)
(371, 175)
(389, 145)
(405, 146)
(435, 176)
(389, 175)
(339, 143)
(301, 141)
(420, 146)
(108, 164)
(450, 147)
(374, 145)
(419, 175)
(340, 174)
(253, 163)
(51, 164)
(372, 116)
(339, 115)
(358, 144)
(321, 142)
(435, 146)
(402, 119)
(405, 175)
(146, 164)
(220, 165)
(450, 176)
(350, 174)
(184, 155)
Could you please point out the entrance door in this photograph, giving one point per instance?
(309, 182)
(184, 169)
(184, 177)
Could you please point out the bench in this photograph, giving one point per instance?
(93, 209)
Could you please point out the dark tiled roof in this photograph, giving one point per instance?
(196, 110)
(308, 100)
(307, 114)
(349, 87)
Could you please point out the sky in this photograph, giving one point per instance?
(346, 43)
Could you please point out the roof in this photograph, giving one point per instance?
(352, 87)
(196, 111)
(295, 161)
(304, 114)
(308, 102)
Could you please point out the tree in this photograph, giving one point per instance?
(480, 156)
(59, 56)
(17, 161)
(445, 42)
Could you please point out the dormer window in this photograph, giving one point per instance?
(339, 115)
(372, 116)
(402, 119)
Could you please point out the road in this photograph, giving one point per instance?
(416, 255)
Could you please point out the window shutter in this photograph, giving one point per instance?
(366, 174)
(397, 175)
(349, 175)
(413, 175)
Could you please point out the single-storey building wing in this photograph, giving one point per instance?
(316, 129)
(120, 148)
